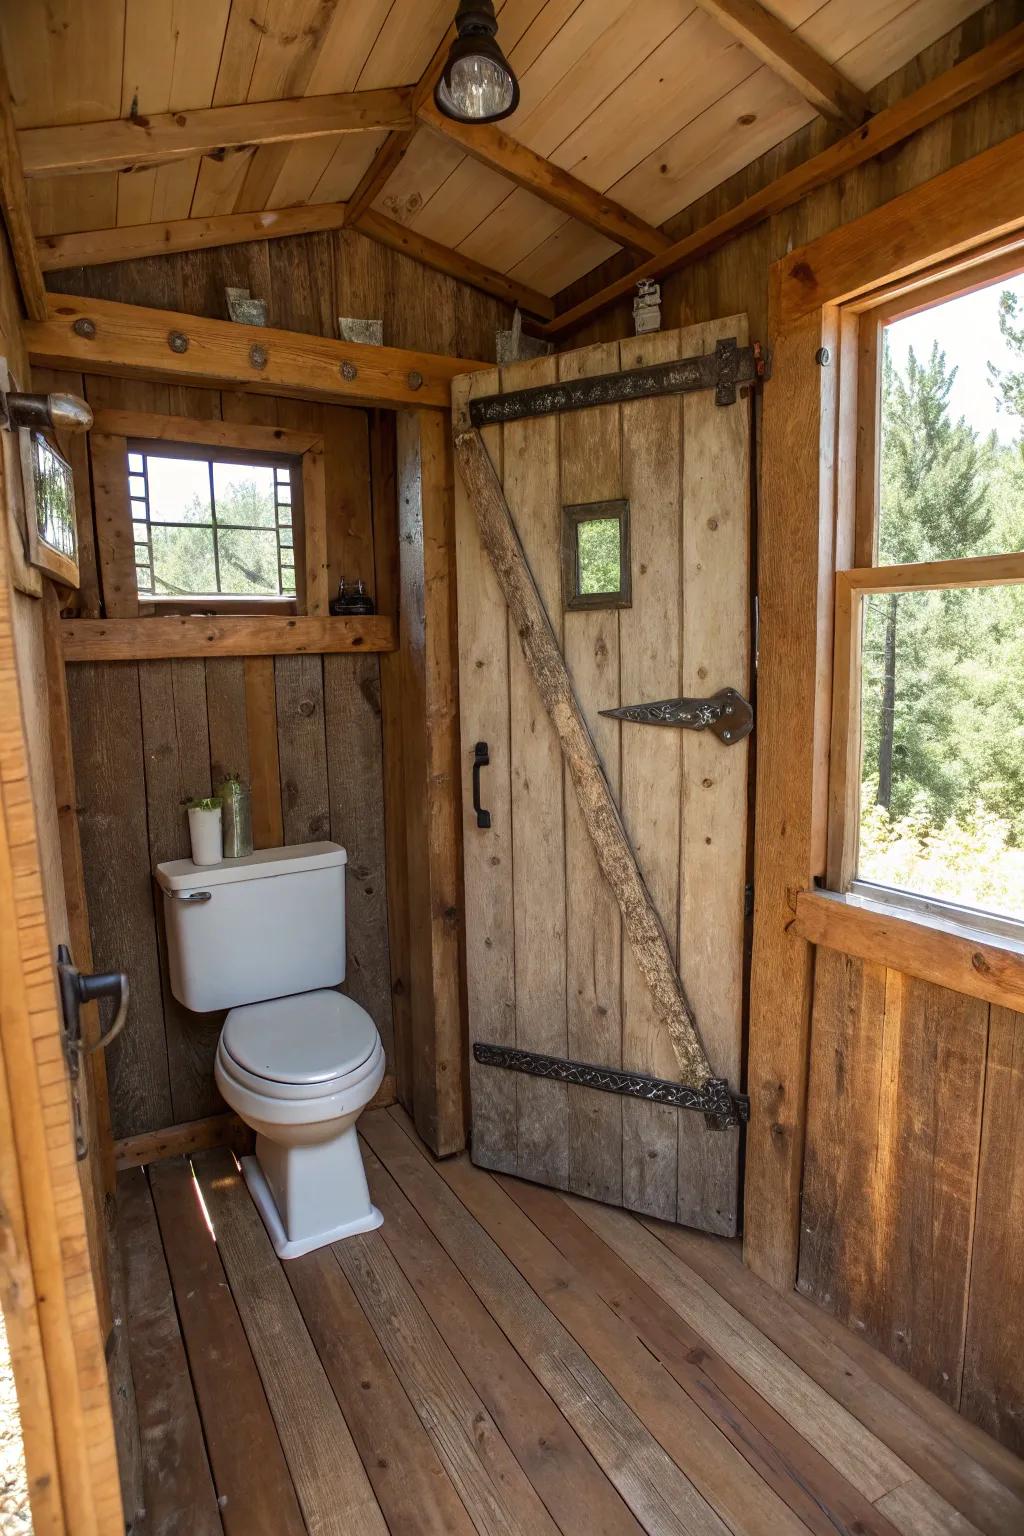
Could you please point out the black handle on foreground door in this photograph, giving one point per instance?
(481, 759)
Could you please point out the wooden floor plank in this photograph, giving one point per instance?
(868, 1464)
(253, 1483)
(576, 1492)
(823, 1499)
(663, 1498)
(917, 1510)
(412, 1487)
(180, 1497)
(491, 1484)
(975, 1474)
(333, 1490)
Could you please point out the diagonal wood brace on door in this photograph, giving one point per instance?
(600, 813)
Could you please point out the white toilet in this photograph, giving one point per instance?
(265, 937)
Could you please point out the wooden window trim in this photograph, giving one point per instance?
(113, 432)
(808, 530)
(573, 600)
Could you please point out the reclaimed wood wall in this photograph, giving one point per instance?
(304, 730)
(913, 1200)
(912, 1221)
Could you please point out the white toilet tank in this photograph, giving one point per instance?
(245, 930)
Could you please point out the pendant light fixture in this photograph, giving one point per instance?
(477, 85)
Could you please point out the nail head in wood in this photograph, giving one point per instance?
(349, 370)
(258, 355)
(415, 379)
(177, 341)
(86, 328)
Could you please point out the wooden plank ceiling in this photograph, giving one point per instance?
(649, 102)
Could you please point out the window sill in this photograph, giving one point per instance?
(938, 951)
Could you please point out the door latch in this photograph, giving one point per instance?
(76, 989)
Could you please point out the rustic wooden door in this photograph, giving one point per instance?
(549, 969)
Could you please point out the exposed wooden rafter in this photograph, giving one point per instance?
(126, 340)
(786, 53)
(14, 203)
(93, 247)
(489, 144)
(979, 73)
(78, 148)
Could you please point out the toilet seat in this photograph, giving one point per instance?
(299, 1047)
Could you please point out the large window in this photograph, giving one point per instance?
(937, 622)
(211, 525)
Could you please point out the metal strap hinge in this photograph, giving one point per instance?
(724, 370)
(715, 1100)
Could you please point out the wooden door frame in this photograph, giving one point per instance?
(808, 531)
(50, 1304)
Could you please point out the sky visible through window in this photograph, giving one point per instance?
(942, 688)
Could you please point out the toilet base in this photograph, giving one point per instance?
(283, 1247)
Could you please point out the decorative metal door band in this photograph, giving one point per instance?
(726, 714)
(722, 370)
(715, 1099)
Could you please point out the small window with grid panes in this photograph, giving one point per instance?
(211, 525)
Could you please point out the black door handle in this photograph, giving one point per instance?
(481, 759)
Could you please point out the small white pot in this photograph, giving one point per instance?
(204, 829)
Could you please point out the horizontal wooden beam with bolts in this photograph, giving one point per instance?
(126, 340)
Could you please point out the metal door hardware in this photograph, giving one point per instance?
(76, 989)
(722, 370)
(716, 1100)
(481, 759)
(726, 714)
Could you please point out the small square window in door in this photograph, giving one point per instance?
(595, 555)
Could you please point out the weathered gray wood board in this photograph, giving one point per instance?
(549, 967)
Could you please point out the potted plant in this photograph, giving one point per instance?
(204, 830)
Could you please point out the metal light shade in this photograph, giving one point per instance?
(477, 85)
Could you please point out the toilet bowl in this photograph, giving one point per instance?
(264, 936)
(300, 1070)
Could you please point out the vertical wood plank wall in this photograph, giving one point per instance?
(306, 732)
(320, 738)
(913, 1183)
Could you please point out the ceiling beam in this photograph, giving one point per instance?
(77, 148)
(128, 242)
(787, 55)
(128, 341)
(14, 204)
(489, 144)
(430, 254)
(979, 73)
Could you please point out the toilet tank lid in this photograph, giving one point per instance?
(183, 875)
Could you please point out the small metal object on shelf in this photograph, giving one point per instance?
(177, 341)
(351, 600)
(647, 307)
(368, 333)
(244, 309)
(86, 328)
(514, 346)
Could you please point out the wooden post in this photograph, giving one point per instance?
(429, 667)
(600, 813)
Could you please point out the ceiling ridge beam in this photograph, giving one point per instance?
(488, 143)
(789, 56)
(978, 73)
(77, 148)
